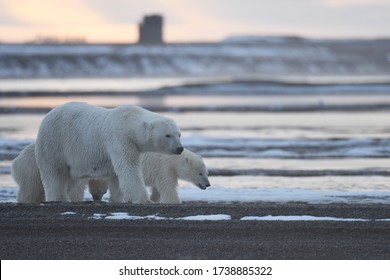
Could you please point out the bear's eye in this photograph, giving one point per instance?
(168, 136)
(200, 174)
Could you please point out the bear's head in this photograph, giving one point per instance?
(192, 169)
(164, 136)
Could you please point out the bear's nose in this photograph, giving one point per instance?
(208, 185)
(179, 150)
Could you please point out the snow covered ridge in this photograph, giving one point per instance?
(254, 57)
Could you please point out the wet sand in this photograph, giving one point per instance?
(43, 232)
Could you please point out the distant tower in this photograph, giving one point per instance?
(151, 29)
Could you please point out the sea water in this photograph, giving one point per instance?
(311, 143)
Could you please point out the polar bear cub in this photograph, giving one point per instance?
(25, 172)
(162, 172)
(78, 142)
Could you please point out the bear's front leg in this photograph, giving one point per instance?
(169, 195)
(131, 183)
(133, 188)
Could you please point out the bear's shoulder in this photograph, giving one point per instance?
(133, 112)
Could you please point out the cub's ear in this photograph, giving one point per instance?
(187, 160)
(147, 125)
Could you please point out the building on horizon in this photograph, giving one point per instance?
(151, 30)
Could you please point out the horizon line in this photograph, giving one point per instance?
(68, 41)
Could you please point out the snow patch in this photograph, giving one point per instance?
(218, 217)
(225, 217)
(126, 216)
(69, 213)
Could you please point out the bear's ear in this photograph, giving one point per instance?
(187, 160)
(147, 125)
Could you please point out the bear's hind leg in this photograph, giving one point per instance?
(30, 193)
(76, 191)
(56, 187)
(115, 193)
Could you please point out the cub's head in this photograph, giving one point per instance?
(192, 169)
(164, 136)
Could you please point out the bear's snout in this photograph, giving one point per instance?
(203, 187)
(179, 150)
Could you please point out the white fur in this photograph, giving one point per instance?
(78, 142)
(161, 172)
(25, 172)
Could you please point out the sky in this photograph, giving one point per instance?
(116, 21)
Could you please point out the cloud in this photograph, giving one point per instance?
(25, 20)
(303, 18)
(124, 11)
(192, 20)
(53, 13)
(346, 3)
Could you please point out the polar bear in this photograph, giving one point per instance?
(25, 172)
(161, 172)
(77, 142)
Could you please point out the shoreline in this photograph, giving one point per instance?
(43, 231)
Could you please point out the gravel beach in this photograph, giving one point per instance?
(80, 231)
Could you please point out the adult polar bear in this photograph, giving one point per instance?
(77, 142)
